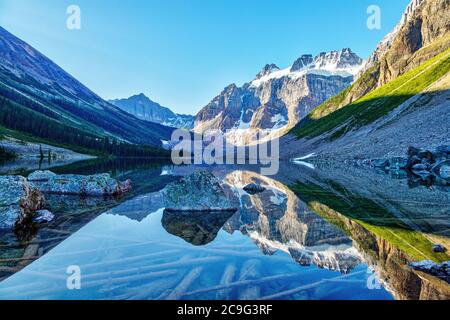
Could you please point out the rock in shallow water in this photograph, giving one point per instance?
(199, 191)
(42, 216)
(71, 184)
(18, 201)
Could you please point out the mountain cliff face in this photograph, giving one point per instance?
(278, 98)
(145, 109)
(405, 48)
(400, 98)
(36, 85)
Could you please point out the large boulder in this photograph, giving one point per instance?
(199, 191)
(71, 184)
(40, 175)
(18, 201)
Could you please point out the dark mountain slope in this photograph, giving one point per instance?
(33, 82)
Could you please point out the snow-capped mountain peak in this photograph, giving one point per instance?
(337, 60)
(303, 62)
(268, 69)
(277, 99)
(343, 63)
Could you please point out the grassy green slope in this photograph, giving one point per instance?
(375, 104)
(371, 217)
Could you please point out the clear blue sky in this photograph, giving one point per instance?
(181, 53)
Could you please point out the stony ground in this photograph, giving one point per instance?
(423, 121)
(29, 150)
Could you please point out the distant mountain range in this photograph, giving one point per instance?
(43, 100)
(145, 109)
(277, 99)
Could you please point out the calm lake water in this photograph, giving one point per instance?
(316, 233)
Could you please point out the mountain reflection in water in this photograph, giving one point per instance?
(324, 233)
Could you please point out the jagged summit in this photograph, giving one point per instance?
(268, 69)
(302, 62)
(278, 98)
(343, 63)
(333, 60)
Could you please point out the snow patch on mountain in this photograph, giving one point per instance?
(276, 99)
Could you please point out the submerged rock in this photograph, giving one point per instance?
(254, 188)
(71, 184)
(18, 201)
(43, 216)
(441, 271)
(199, 191)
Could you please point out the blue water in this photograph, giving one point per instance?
(275, 246)
(123, 258)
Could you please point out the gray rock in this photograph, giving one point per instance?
(443, 149)
(441, 271)
(287, 99)
(94, 185)
(438, 248)
(42, 216)
(41, 175)
(413, 152)
(444, 172)
(420, 167)
(18, 201)
(199, 191)
(398, 163)
(422, 173)
(254, 188)
(380, 163)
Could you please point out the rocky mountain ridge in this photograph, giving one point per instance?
(35, 85)
(278, 98)
(144, 108)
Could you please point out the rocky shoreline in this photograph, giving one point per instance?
(429, 167)
(22, 200)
